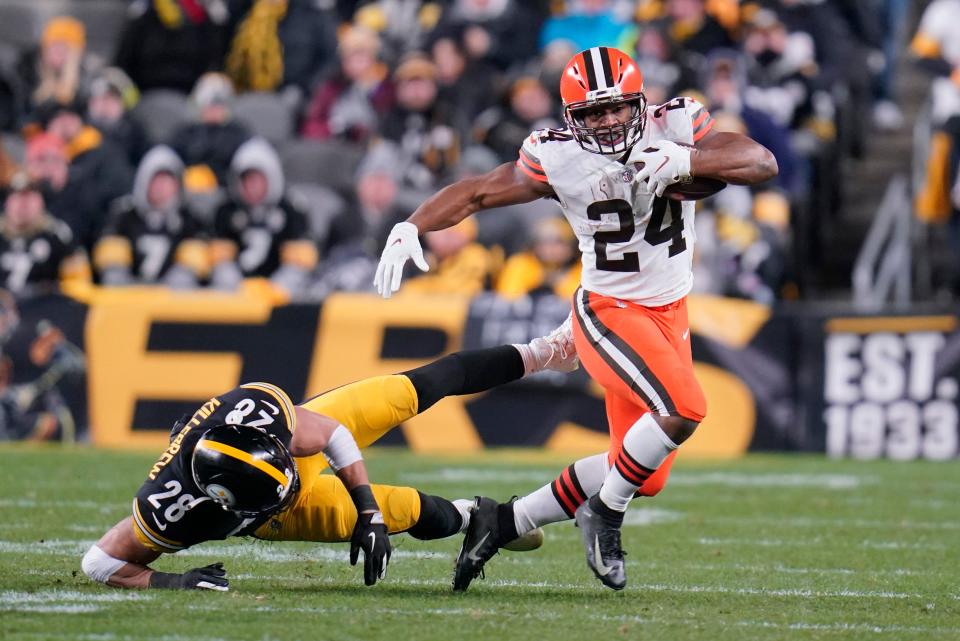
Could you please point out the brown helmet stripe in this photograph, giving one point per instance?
(589, 70)
(607, 69)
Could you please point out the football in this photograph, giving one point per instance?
(697, 188)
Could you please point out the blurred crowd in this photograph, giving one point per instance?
(280, 140)
(936, 49)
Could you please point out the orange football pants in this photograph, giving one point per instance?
(641, 357)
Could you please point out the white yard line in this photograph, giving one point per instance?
(836, 522)
(110, 636)
(65, 601)
(654, 587)
(478, 475)
(783, 569)
(818, 541)
(44, 503)
(686, 479)
(550, 616)
(643, 516)
(247, 550)
(762, 481)
(55, 547)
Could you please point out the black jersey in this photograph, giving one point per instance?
(259, 233)
(154, 237)
(36, 256)
(170, 513)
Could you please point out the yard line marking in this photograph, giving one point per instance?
(64, 601)
(549, 616)
(663, 587)
(34, 503)
(110, 636)
(86, 528)
(698, 567)
(678, 478)
(792, 592)
(266, 551)
(820, 541)
(720, 567)
(47, 547)
(466, 474)
(719, 589)
(248, 550)
(840, 626)
(77, 608)
(651, 516)
(836, 522)
(844, 627)
(799, 480)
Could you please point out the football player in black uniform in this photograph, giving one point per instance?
(249, 463)
(259, 231)
(151, 237)
(36, 249)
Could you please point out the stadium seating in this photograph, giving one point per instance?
(321, 204)
(266, 115)
(161, 111)
(331, 163)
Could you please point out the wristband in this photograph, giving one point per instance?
(100, 566)
(363, 498)
(341, 449)
(165, 581)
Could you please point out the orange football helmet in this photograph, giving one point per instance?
(603, 77)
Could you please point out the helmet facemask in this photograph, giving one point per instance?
(610, 139)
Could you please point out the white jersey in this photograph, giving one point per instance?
(635, 246)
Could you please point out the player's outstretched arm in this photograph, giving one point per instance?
(119, 560)
(505, 185)
(315, 434)
(733, 158)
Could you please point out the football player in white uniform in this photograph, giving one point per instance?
(613, 169)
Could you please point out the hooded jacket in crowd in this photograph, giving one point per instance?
(151, 242)
(260, 239)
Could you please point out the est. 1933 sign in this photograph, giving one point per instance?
(888, 388)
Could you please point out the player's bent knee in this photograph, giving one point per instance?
(100, 566)
(678, 428)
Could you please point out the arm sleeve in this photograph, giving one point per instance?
(700, 120)
(529, 159)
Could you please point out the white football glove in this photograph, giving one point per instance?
(664, 163)
(402, 245)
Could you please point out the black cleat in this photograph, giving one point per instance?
(480, 543)
(602, 544)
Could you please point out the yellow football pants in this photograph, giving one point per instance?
(323, 509)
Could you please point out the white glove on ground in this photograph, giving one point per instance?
(402, 245)
(664, 163)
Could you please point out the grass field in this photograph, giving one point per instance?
(769, 547)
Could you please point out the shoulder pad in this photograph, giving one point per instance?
(561, 134)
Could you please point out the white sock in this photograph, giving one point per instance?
(531, 363)
(573, 486)
(463, 507)
(645, 446)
